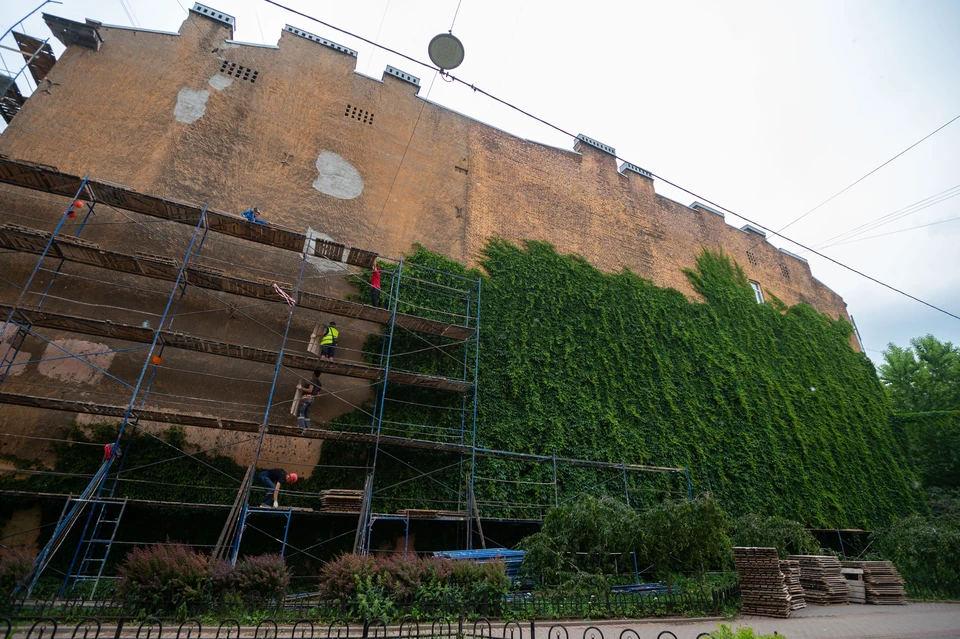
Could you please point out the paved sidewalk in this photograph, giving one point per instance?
(936, 620)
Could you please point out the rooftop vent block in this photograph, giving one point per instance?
(793, 255)
(213, 14)
(315, 38)
(403, 75)
(701, 205)
(748, 228)
(626, 166)
(597, 145)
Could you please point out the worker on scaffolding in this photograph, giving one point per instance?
(271, 480)
(375, 285)
(253, 215)
(328, 341)
(309, 392)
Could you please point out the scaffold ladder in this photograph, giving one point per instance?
(97, 544)
(71, 513)
(13, 348)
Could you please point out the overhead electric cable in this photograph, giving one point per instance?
(912, 228)
(853, 184)
(893, 217)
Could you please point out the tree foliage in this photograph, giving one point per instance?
(789, 537)
(685, 535)
(585, 543)
(582, 543)
(925, 376)
(932, 441)
(925, 551)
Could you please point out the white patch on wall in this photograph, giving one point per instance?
(71, 369)
(321, 264)
(220, 82)
(9, 330)
(229, 45)
(337, 177)
(191, 105)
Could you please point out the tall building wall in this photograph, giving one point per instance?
(295, 130)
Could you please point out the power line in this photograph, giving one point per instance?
(701, 198)
(892, 217)
(912, 228)
(853, 184)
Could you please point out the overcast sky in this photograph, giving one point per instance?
(766, 108)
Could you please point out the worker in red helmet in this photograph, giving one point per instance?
(271, 480)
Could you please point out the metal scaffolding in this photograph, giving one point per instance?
(449, 329)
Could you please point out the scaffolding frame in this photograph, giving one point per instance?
(188, 272)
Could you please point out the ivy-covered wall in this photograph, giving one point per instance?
(769, 407)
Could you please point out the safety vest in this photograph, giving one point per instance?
(330, 337)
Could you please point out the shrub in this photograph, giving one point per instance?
(787, 536)
(266, 574)
(168, 574)
(925, 551)
(14, 568)
(742, 632)
(223, 578)
(402, 576)
(340, 578)
(374, 588)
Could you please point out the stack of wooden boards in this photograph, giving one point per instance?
(762, 584)
(881, 581)
(791, 577)
(854, 577)
(822, 582)
(339, 500)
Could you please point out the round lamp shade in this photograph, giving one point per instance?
(446, 51)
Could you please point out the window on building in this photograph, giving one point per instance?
(757, 291)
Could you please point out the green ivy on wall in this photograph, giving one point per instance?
(769, 407)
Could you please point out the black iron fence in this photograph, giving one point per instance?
(291, 609)
(408, 628)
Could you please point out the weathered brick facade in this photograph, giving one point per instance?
(315, 144)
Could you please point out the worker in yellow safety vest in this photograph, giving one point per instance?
(329, 341)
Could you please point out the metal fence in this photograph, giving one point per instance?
(292, 608)
(193, 628)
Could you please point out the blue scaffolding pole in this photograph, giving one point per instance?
(365, 522)
(13, 348)
(236, 521)
(473, 443)
(96, 493)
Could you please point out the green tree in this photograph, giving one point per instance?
(923, 377)
(787, 536)
(685, 535)
(582, 543)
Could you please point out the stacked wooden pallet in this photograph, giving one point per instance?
(339, 500)
(854, 577)
(822, 582)
(422, 513)
(882, 583)
(761, 582)
(791, 578)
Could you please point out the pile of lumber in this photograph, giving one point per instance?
(791, 577)
(422, 513)
(882, 583)
(340, 500)
(762, 584)
(823, 585)
(854, 577)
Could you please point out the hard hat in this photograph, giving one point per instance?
(293, 478)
